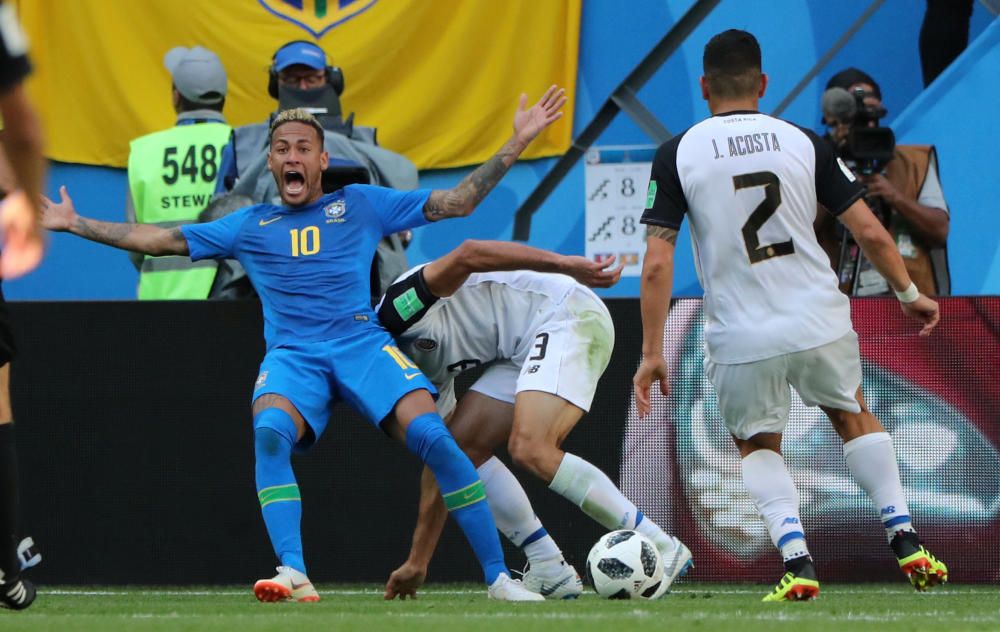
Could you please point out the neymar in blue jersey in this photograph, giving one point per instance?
(309, 260)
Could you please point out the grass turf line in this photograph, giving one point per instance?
(442, 608)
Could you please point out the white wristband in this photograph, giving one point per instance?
(908, 295)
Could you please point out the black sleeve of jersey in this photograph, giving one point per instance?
(836, 187)
(14, 67)
(665, 201)
(405, 302)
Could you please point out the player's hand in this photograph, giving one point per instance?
(652, 369)
(59, 216)
(529, 123)
(404, 581)
(593, 273)
(21, 235)
(924, 310)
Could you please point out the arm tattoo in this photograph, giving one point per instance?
(105, 233)
(142, 238)
(464, 197)
(177, 236)
(436, 206)
(662, 232)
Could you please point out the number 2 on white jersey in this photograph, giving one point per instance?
(760, 215)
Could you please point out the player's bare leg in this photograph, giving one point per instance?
(542, 422)
(415, 421)
(481, 424)
(278, 426)
(872, 461)
(777, 500)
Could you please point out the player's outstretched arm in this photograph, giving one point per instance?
(445, 275)
(880, 248)
(655, 289)
(144, 238)
(460, 200)
(405, 580)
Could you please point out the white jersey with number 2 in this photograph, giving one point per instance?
(749, 183)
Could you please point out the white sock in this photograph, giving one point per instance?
(591, 490)
(872, 461)
(773, 492)
(513, 514)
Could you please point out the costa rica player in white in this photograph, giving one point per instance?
(774, 317)
(549, 339)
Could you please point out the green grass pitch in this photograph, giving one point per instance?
(442, 608)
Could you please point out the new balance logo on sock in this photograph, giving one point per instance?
(790, 520)
(888, 510)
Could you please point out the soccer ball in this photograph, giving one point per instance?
(624, 565)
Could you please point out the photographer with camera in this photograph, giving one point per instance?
(904, 190)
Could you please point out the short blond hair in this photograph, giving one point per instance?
(296, 115)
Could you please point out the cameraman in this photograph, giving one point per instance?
(903, 188)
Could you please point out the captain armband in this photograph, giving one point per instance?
(405, 302)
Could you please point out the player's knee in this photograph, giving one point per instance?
(428, 438)
(526, 453)
(761, 441)
(268, 443)
(472, 444)
(850, 425)
(274, 433)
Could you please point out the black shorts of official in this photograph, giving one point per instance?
(7, 348)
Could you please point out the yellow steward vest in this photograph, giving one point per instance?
(172, 175)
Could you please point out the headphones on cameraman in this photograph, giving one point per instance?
(334, 75)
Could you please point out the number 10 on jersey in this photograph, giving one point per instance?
(306, 241)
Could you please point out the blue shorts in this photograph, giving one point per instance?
(364, 369)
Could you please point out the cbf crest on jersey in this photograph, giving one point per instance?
(317, 16)
(334, 212)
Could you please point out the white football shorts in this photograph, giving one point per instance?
(754, 397)
(565, 355)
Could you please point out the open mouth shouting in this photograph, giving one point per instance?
(293, 184)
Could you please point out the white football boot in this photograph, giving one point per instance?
(555, 580)
(504, 588)
(676, 562)
(288, 585)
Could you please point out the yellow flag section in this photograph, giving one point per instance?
(439, 78)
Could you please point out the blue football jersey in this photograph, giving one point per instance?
(311, 265)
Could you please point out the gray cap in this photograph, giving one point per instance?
(198, 74)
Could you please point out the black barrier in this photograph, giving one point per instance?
(136, 453)
(136, 447)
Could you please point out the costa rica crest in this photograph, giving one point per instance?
(316, 17)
